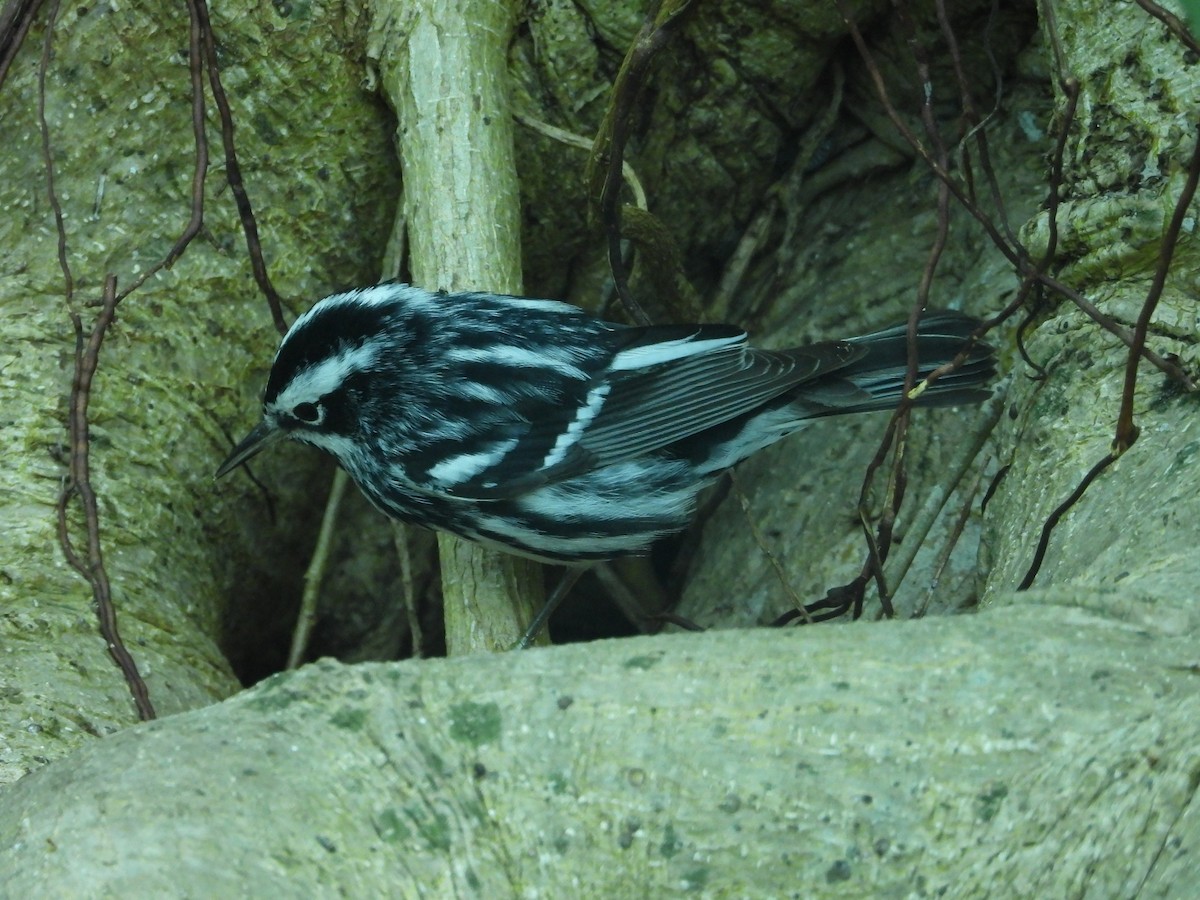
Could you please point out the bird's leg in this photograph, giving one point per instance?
(569, 577)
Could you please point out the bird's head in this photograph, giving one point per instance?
(336, 360)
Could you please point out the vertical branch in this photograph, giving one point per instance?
(200, 167)
(895, 439)
(79, 475)
(15, 19)
(443, 65)
(200, 170)
(48, 156)
(608, 151)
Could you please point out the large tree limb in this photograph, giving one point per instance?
(1051, 748)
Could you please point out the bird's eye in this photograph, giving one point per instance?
(307, 412)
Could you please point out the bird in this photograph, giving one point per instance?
(536, 427)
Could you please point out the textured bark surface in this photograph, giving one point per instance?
(1044, 747)
(182, 367)
(1028, 747)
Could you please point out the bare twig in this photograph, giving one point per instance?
(233, 171)
(846, 598)
(315, 573)
(48, 156)
(917, 528)
(577, 140)
(79, 485)
(200, 169)
(1016, 254)
(943, 557)
(1127, 431)
(408, 588)
(195, 66)
(1061, 510)
(609, 149)
(1173, 23)
(879, 544)
(15, 19)
(1070, 89)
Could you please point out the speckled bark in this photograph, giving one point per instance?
(1044, 747)
(1023, 752)
(182, 367)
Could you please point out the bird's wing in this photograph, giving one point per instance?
(647, 388)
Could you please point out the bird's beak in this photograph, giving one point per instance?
(263, 435)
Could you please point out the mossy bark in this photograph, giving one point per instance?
(1047, 743)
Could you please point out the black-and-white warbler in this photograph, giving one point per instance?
(534, 426)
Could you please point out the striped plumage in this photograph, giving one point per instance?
(534, 426)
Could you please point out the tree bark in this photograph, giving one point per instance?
(1028, 746)
(1046, 746)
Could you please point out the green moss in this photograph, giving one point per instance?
(475, 723)
(349, 718)
(271, 694)
(390, 827)
(671, 844)
(433, 828)
(696, 878)
(643, 662)
(990, 800)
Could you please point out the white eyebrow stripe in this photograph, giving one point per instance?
(667, 351)
(583, 417)
(466, 466)
(389, 293)
(313, 382)
(414, 298)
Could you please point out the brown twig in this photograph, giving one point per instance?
(880, 542)
(15, 19)
(79, 485)
(233, 172)
(1016, 254)
(195, 67)
(87, 360)
(1040, 373)
(971, 115)
(1070, 89)
(1127, 431)
(609, 148)
(200, 170)
(943, 557)
(1173, 23)
(48, 156)
(993, 486)
(1061, 510)
(846, 598)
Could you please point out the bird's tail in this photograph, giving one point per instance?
(875, 380)
(872, 380)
